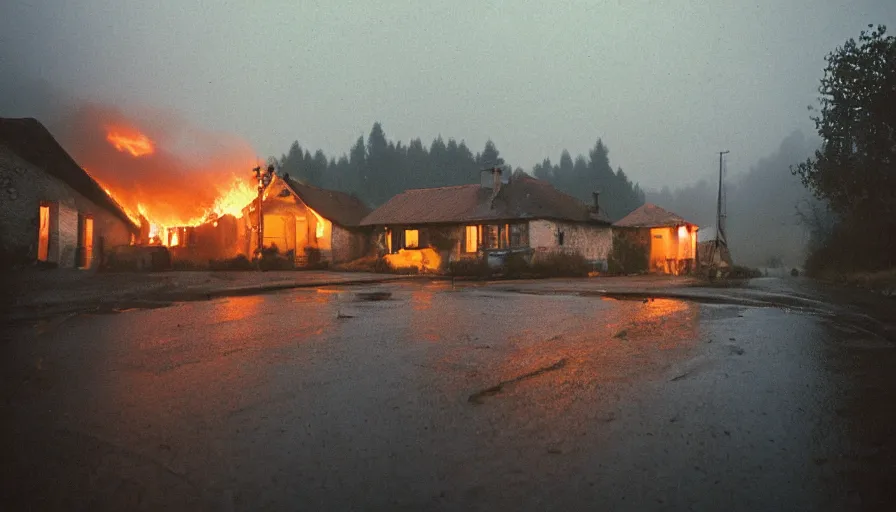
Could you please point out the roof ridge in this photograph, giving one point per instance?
(446, 187)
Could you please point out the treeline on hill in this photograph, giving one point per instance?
(378, 168)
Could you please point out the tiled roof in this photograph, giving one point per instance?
(650, 216)
(32, 142)
(338, 207)
(523, 197)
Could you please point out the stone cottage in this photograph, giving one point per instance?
(314, 225)
(493, 217)
(668, 241)
(51, 210)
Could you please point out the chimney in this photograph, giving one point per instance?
(485, 179)
(596, 196)
(496, 173)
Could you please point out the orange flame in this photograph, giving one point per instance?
(129, 140)
(184, 178)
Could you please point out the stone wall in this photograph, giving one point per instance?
(349, 245)
(594, 242)
(23, 188)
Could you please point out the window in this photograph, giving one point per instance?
(43, 234)
(519, 235)
(472, 239)
(411, 238)
(560, 237)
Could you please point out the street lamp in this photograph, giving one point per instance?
(264, 177)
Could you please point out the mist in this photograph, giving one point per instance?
(763, 204)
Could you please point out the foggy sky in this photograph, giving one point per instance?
(666, 84)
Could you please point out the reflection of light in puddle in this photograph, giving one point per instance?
(421, 300)
(237, 308)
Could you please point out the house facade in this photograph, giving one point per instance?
(495, 216)
(669, 241)
(51, 210)
(311, 224)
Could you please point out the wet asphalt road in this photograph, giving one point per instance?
(476, 398)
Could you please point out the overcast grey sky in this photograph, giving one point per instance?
(666, 84)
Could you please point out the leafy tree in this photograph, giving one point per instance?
(855, 169)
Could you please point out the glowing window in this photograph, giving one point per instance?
(43, 234)
(411, 238)
(319, 230)
(472, 239)
(682, 232)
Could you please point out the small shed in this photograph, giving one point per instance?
(669, 240)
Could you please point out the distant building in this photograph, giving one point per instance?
(51, 210)
(669, 241)
(493, 217)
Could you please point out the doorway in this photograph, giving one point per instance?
(86, 242)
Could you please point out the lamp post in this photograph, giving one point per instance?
(263, 176)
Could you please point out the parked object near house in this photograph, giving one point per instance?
(314, 225)
(712, 252)
(669, 240)
(492, 219)
(51, 210)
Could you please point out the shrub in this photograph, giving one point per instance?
(627, 256)
(239, 262)
(742, 272)
(271, 259)
(469, 267)
(558, 264)
(188, 265)
(516, 265)
(365, 264)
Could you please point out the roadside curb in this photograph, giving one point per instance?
(159, 299)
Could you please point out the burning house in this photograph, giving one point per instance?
(489, 219)
(169, 176)
(52, 210)
(309, 224)
(669, 241)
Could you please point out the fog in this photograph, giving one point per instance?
(762, 205)
(664, 85)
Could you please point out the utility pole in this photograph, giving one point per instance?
(720, 230)
(264, 177)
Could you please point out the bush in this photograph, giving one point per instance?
(516, 265)
(558, 264)
(852, 248)
(469, 267)
(627, 256)
(188, 265)
(271, 259)
(741, 272)
(239, 262)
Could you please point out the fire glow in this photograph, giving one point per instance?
(134, 143)
(163, 171)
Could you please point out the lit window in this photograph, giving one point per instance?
(43, 234)
(411, 238)
(472, 237)
(682, 232)
(319, 230)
